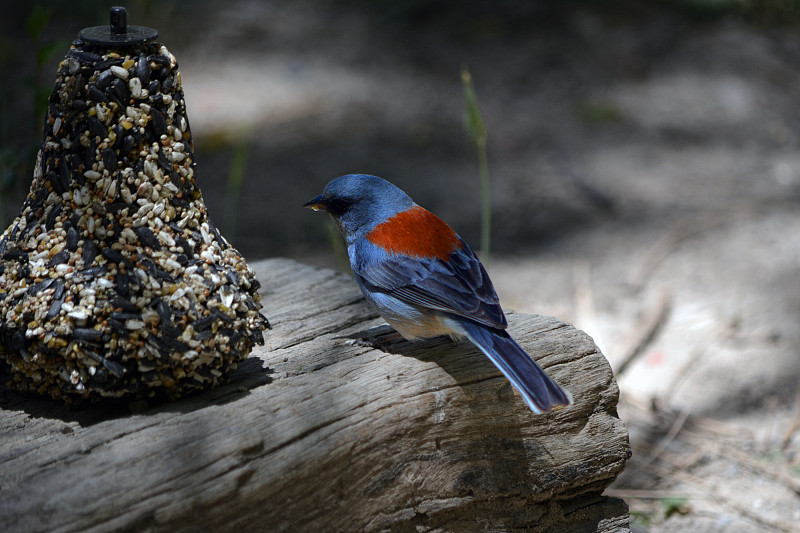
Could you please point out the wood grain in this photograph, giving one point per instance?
(318, 433)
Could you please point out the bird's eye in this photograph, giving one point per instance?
(337, 206)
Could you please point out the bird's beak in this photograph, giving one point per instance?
(316, 204)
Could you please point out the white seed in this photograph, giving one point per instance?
(128, 235)
(166, 238)
(177, 294)
(104, 283)
(172, 264)
(125, 192)
(78, 314)
(146, 208)
(204, 233)
(226, 296)
(135, 85)
(119, 72)
(40, 256)
(158, 176)
(150, 167)
(112, 189)
(142, 275)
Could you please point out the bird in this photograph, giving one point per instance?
(425, 281)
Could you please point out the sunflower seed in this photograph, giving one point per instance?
(89, 252)
(103, 79)
(96, 127)
(115, 368)
(58, 259)
(158, 122)
(87, 334)
(147, 237)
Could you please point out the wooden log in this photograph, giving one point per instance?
(315, 433)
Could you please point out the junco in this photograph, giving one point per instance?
(425, 280)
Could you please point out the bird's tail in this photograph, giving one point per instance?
(539, 391)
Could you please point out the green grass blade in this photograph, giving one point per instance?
(476, 128)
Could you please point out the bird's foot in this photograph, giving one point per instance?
(382, 337)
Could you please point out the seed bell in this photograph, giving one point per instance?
(113, 280)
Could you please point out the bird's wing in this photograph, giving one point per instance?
(458, 285)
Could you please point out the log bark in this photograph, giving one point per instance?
(317, 433)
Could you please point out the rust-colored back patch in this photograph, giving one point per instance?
(416, 232)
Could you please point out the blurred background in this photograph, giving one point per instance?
(644, 161)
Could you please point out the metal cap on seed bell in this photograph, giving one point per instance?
(118, 32)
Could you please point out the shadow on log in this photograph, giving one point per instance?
(316, 433)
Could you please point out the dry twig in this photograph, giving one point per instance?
(794, 424)
(678, 233)
(668, 438)
(646, 331)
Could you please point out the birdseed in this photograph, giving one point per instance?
(113, 280)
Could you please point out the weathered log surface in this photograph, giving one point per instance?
(315, 433)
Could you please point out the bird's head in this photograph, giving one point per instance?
(359, 202)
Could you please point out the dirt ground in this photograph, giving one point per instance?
(645, 172)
